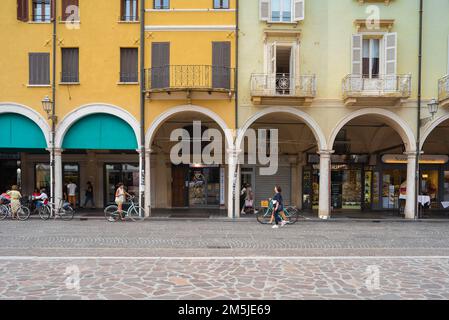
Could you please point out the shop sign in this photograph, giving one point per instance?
(10, 156)
(424, 159)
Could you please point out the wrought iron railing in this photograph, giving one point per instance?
(283, 84)
(186, 77)
(443, 88)
(354, 85)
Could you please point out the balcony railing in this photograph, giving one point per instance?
(397, 85)
(443, 89)
(190, 77)
(283, 85)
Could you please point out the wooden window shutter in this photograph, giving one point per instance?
(356, 56)
(391, 53)
(53, 9)
(264, 10)
(39, 68)
(22, 10)
(122, 10)
(299, 10)
(66, 10)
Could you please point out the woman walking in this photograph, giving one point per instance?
(120, 195)
(15, 201)
(278, 203)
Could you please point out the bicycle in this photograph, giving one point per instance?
(64, 211)
(23, 213)
(264, 216)
(134, 212)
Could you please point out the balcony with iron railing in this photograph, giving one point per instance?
(443, 91)
(383, 90)
(190, 78)
(283, 88)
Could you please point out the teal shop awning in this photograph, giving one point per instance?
(19, 132)
(100, 132)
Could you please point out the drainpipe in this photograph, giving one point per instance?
(53, 112)
(142, 107)
(236, 97)
(418, 137)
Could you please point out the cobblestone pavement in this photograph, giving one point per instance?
(223, 260)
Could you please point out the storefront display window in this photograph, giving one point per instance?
(42, 176)
(391, 183)
(126, 173)
(429, 184)
(446, 186)
(204, 187)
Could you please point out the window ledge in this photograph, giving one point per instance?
(39, 22)
(128, 22)
(127, 83)
(70, 22)
(282, 22)
(69, 83)
(39, 85)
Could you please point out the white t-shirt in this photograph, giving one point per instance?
(71, 189)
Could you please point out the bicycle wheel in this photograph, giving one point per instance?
(136, 214)
(45, 212)
(292, 215)
(23, 213)
(264, 215)
(67, 213)
(111, 213)
(3, 212)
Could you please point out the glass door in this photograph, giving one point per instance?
(115, 173)
(71, 174)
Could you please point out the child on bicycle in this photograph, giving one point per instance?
(120, 197)
(41, 199)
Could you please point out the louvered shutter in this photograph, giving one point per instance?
(53, 9)
(128, 65)
(356, 56)
(160, 65)
(264, 10)
(391, 52)
(299, 10)
(221, 63)
(70, 65)
(39, 68)
(22, 10)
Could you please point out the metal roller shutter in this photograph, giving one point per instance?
(264, 187)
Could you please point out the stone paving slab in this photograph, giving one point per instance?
(378, 278)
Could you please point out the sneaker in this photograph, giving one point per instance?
(111, 219)
(275, 226)
(284, 223)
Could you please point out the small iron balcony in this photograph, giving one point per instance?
(203, 78)
(443, 91)
(381, 91)
(283, 88)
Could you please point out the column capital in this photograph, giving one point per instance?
(233, 151)
(149, 151)
(57, 151)
(326, 152)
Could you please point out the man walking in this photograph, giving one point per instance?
(71, 193)
(89, 195)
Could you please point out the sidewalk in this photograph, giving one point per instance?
(221, 215)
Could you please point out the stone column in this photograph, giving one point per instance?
(410, 204)
(58, 192)
(324, 210)
(232, 160)
(148, 203)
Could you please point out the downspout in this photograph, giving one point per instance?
(53, 112)
(418, 136)
(236, 101)
(144, 203)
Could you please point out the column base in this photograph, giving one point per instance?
(325, 217)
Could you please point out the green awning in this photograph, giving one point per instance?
(100, 131)
(19, 132)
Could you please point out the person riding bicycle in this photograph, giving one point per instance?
(5, 198)
(42, 199)
(278, 203)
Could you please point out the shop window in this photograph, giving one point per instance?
(42, 176)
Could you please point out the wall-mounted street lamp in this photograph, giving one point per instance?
(433, 106)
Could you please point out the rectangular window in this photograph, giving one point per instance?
(161, 4)
(370, 58)
(221, 4)
(39, 68)
(70, 10)
(128, 65)
(281, 10)
(70, 65)
(129, 10)
(41, 10)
